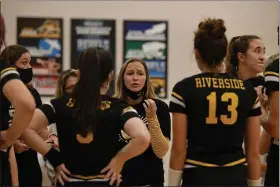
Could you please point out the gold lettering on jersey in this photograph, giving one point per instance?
(211, 82)
(236, 84)
(221, 83)
(241, 85)
(203, 82)
(105, 105)
(227, 83)
(84, 140)
(228, 97)
(215, 83)
(198, 82)
(231, 83)
(208, 81)
(70, 103)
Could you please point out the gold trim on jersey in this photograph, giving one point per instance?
(177, 96)
(271, 73)
(88, 177)
(85, 140)
(7, 69)
(129, 109)
(177, 99)
(199, 163)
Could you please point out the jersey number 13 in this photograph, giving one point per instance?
(225, 119)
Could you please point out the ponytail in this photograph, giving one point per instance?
(86, 93)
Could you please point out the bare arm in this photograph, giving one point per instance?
(31, 137)
(14, 168)
(140, 139)
(264, 142)
(271, 123)
(252, 142)
(179, 148)
(45, 133)
(20, 97)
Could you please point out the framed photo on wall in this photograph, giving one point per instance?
(148, 40)
(91, 33)
(43, 37)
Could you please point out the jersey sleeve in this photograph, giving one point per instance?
(126, 112)
(164, 118)
(36, 96)
(177, 101)
(49, 109)
(255, 108)
(7, 73)
(272, 77)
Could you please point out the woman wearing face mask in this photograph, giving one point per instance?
(134, 87)
(14, 92)
(29, 170)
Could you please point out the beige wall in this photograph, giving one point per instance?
(258, 17)
(249, 17)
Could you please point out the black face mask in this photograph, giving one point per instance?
(25, 74)
(135, 95)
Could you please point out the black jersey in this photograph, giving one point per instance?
(147, 168)
(87, 156)
(217, 107)
(7, 73)
(271, 75)
(256, 81)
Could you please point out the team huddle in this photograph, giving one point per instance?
(102, 140)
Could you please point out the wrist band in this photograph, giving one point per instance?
(54, 157)
(174, 177)
(256, 182)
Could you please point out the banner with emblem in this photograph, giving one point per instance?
(90, 33)
(148, 40)
(43, 37)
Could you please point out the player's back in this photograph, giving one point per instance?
(217, 106)
(87, 156)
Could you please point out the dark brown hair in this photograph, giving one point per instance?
(95, 65)
(211, 42)
(12, 53)
(238, 44)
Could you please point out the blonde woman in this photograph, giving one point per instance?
(135, 89)
(67, 80)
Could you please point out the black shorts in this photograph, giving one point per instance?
(272, 173)
(215, 176)
(5, 172)
(29, 170)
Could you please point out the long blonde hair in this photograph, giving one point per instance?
(150, 94)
